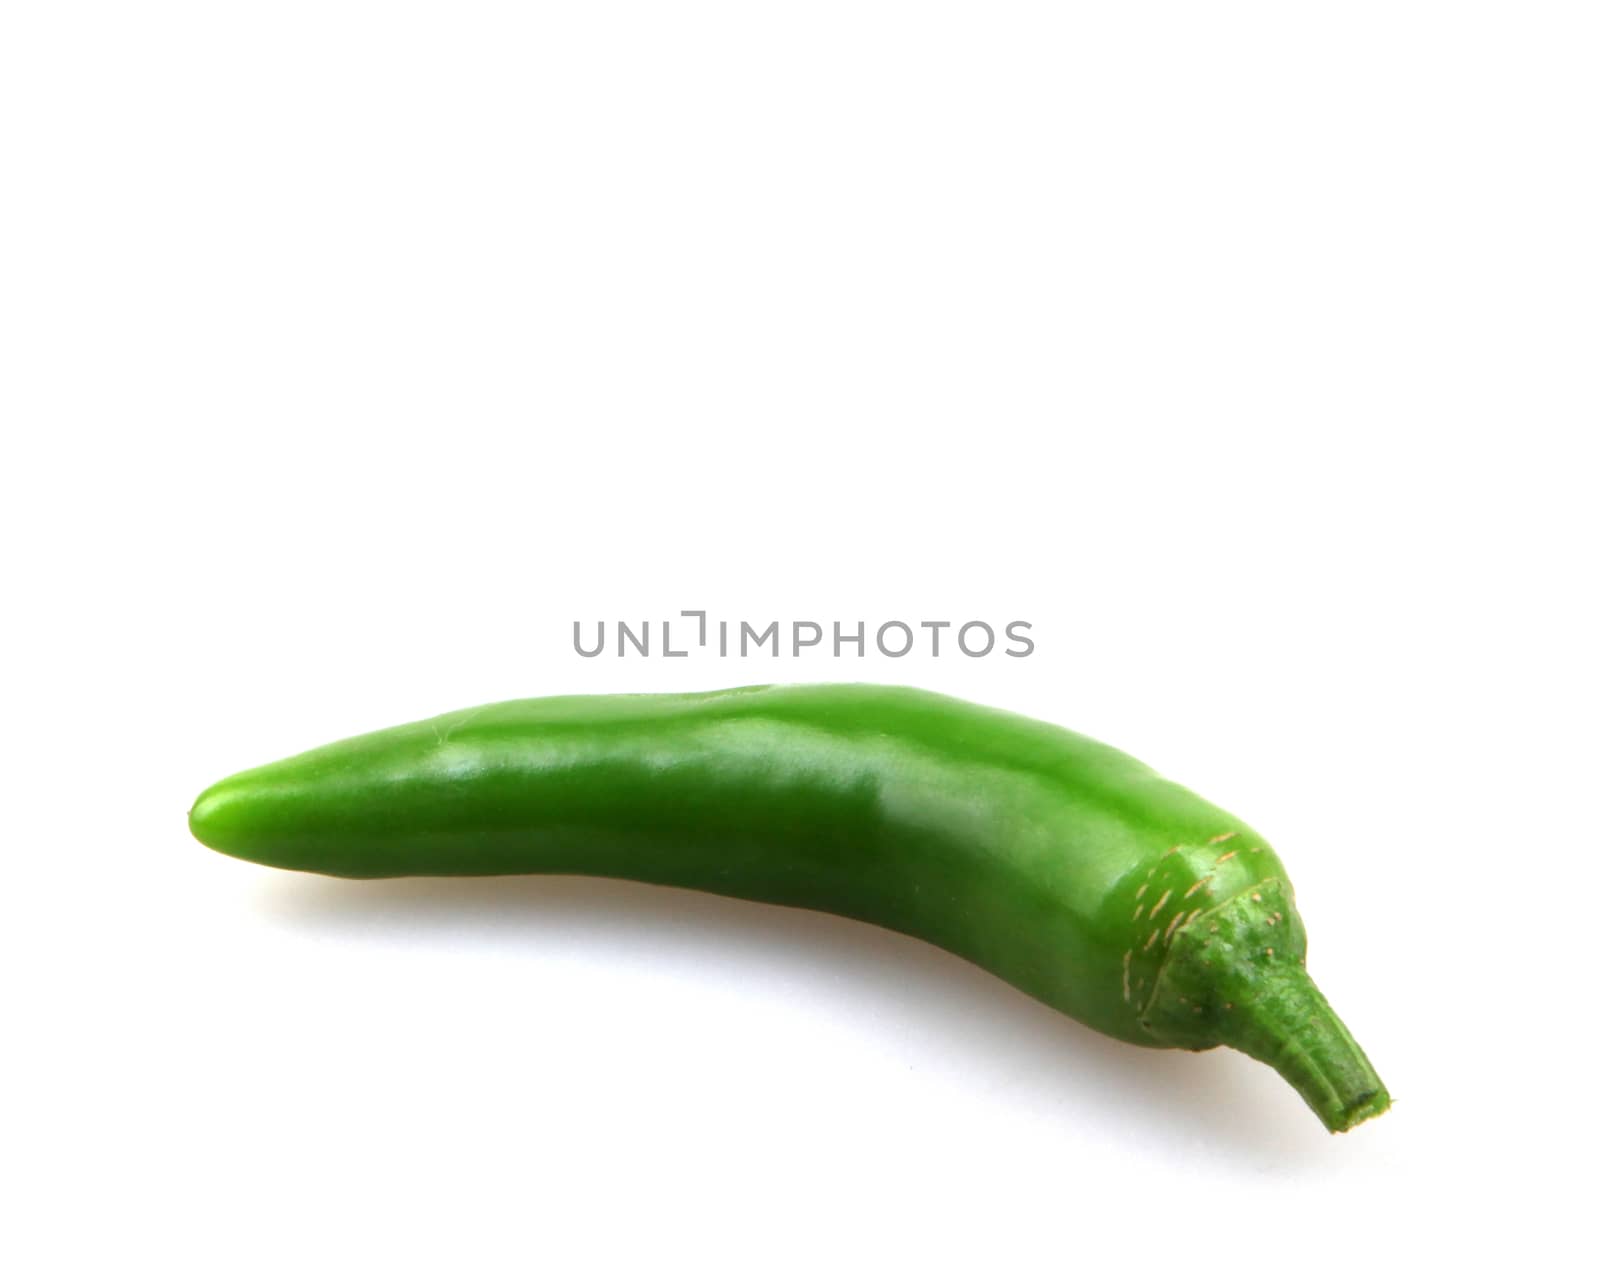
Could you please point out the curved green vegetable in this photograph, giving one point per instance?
(1062, 865)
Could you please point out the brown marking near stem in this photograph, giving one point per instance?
(1255, 898)
(1189, 893)
(1269, 951)
(1160, 903)
(1172, 925)
(1222, 837)
(1222, 859)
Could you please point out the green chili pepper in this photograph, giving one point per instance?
(1065, 867)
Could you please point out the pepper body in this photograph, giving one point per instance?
(1066, 867)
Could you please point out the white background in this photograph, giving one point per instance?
(351, 351)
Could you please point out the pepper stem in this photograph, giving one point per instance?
(1291, 1027)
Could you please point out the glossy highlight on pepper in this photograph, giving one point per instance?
(1065, 867)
